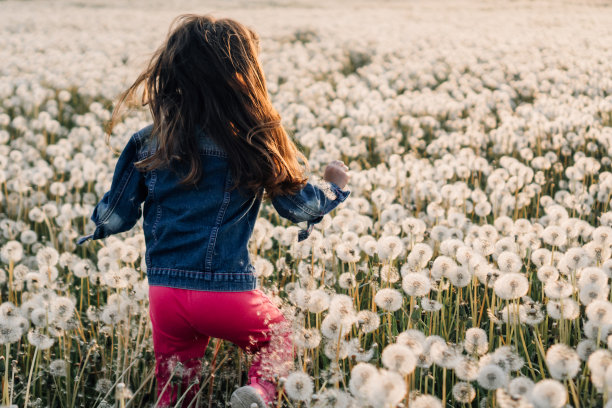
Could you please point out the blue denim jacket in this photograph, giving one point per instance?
(197, 238)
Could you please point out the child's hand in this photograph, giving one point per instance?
(336, 172)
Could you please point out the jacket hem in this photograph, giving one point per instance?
(217, 281)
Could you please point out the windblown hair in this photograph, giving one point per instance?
(207, 75)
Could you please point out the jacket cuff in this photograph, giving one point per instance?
(341, 195)
(82, 240)
(97, 234)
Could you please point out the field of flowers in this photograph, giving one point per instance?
(470, 266)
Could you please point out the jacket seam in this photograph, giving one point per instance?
(109, 212)
(215, 230)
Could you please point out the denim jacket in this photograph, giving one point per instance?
(197, 238)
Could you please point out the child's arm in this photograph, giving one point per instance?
(119, 209)
(314, 200)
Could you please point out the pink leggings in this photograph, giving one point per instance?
(184, 321)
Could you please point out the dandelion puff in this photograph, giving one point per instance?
(520, 387)
(592, 276)
(554, 235)
(12, 251)
(336, 350)
(299, 386)
(511, 285)
(40, 340)
(388, 273)
(332, 398)
(388, 299)
(507, 359)
(558, 289)
(563, 309)
(389, 247)
(541, 257)
(464, 392)
(443, 355)
(413, 339)
(318, 301)
(430, 305)
(388, 389)
(420, 255)
(460, 276)
(548, 394)
(347, 253)
(416, 284)
(531, 313)
(9, 333)
(103, 386)
(593, 291)
(442, 266)
(563, 362)
(599, 312)
(476, 341)
(492, 377)
(332, 327)
(606, 267)
(368, 321)
(362, 375)
(122, 392)
(57, 368)
(585, 348)
(509, 262)
(425, 401)
(347, 280)
(306, 338)
(547, 272)
(466, 368)
(47, 257)
(398, 357)
(598, 362)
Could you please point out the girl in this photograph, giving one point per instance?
(215, 150)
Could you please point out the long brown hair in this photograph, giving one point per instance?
(207, 74)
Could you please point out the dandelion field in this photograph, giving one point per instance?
(470, 266)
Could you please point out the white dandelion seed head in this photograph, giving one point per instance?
(464, 392)
(388, 389)
(563, 362)
(388, 299)
(398, 357)
(520, 387)
(299, 386)
(511, 285)
(492, 377)
(548, 394)
(362, 375)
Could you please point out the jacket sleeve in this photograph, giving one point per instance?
(310, 204)
(119, 209)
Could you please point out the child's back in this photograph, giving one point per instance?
(216, 144)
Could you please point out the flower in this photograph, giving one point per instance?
(463, 392)
(563, 362)
(362, 375)
(491, 377)
(299, 386)
(548, 394)
(368, 321)
(416, 284)
(476, 341)
(511, 285)
(388, 299)
(40, 340)
(400, 358)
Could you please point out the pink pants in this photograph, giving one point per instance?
(184, 321)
